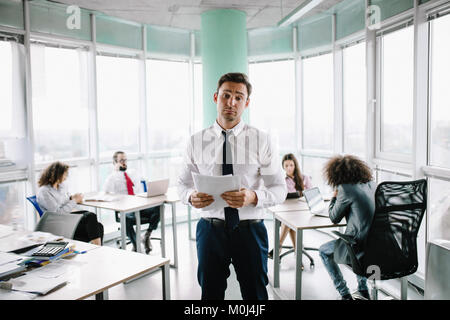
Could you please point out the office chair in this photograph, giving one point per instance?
(390, 250)
(59, 224)
(33, 201)
(144, 220)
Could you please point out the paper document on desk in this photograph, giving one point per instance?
(36, 284)
(215, 186)
(101, 196)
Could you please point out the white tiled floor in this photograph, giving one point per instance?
(317, 284)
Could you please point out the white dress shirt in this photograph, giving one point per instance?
(255, 159)
(55, 200)
(116, 182)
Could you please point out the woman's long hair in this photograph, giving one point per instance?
(346, 169)
(52, 174)
(299, 185)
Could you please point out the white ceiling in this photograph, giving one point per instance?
(186, 13)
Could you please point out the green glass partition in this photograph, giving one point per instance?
(11, 13)
(315, 32)
(169, 41)
(350, 17)
(118, 32)
(390, 8)
(266, 41)
(56, 19)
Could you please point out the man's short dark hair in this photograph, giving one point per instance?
(116, 155)
(236, 77)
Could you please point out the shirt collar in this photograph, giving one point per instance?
(235, 130)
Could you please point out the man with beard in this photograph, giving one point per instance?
(122, 182)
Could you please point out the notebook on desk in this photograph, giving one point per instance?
(315, 202)
(155, 188)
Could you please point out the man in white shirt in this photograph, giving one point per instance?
(122, 182)
(235, 234)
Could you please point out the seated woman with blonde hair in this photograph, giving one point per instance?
(53, 196)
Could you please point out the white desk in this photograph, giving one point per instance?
(126, 204)
(295, 215)
(97, 270)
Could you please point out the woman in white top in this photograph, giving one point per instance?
(53, 196)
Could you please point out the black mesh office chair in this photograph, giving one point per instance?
(391, 245)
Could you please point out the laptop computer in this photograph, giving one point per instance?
(315, 202)
(155, 188)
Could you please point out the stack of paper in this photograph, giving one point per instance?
(215, 186)
(10, 263)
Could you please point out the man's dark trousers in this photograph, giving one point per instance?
(246, 247)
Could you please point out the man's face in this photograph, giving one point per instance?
(231, 100)
(121, 163)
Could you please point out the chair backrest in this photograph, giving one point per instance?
(392, 240)
(34, 202)
(59, 224)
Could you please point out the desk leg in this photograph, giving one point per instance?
(276, 254)
(174, 229)
(166, 281)
(102, 295)
(189, 222)
(123, 230)
(298, 264)
(163, 231)
(138, 231)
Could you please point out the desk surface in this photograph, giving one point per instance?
(127, 203)
(302, 220)
(95, 271)
(290, 205)
(100, 269)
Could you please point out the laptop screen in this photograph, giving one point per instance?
(314, 199)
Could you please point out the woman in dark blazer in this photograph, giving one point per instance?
(353, 200)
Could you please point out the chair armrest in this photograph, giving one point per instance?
(347, 239)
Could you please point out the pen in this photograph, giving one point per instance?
(80, 252)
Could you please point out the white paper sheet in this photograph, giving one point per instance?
(215, 186)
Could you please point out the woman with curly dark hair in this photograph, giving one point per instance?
(53, 196)
(353, 200)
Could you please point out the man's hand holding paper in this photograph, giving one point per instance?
(210, 190)
(241, 198)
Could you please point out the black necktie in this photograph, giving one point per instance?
(231, 214)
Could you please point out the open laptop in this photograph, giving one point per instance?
(315, 202)
(155, 188)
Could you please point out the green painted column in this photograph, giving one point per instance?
(224, 49)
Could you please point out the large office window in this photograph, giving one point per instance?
(12, 203)
(313, 167)
(60, 107)
(118, 103)
(13, 143)
(397, 74)
(439, 209)
(440, 93)
(318, 102)
(168, 104)
(6, 120)
(272, 102)
(198, 97)
(354, 96)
